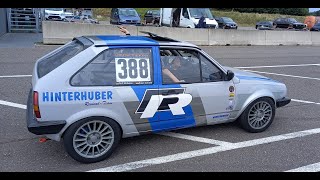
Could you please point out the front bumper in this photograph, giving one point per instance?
(282, 102)
(39, 128)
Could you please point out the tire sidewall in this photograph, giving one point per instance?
(244, 122)
(68, 139)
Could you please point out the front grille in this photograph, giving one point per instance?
(131, 21)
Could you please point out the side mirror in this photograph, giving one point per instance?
(230, 75)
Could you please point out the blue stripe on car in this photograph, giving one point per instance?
(128, 40)
(256, 78)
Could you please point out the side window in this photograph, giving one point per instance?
(58, 57)
(185, 13)
(121, 66)
(180, 66)
(210, 73)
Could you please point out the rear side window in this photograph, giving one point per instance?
(59, 57)
(121, 66)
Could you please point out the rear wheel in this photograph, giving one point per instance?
(92, 139)
(258, 116)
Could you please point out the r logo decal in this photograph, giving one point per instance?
(167, 100)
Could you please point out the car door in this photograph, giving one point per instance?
(202, 92)
(148, 16)
(185, 20)
(115, 16)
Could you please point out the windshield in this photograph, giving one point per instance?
(226, 19)
(156, 13)
(198, 12)
(128, 12)
(292, 20)
(54, 9)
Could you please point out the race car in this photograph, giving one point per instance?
(95, 90)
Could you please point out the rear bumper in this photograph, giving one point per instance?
(282, 102)
(39, 128)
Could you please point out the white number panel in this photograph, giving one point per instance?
(130, 70)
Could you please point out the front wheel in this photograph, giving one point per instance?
(258, 116)
(92, 139)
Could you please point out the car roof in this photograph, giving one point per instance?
(123, 40)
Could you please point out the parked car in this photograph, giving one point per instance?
(152, 16)
(95, 90)
(316, 27)
(68, 18)
(89, 19)
(226, 23)
(84, 19)
(288, 23)
(186, 17)
(264, 25)
(124, 16)
(53, 13)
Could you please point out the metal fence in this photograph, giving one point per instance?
(25, 19)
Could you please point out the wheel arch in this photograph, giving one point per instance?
(255, 96)
(100, 113)
(97, 117)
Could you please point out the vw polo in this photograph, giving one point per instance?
(95, 90)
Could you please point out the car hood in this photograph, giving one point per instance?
(122, 17)
(297, 23)
(244, 75)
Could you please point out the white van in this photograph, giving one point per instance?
(186, 17)
(57, 14)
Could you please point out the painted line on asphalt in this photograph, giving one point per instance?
(197, 139)
(302, 101)
(283, 75)
(7, 103)
(309, 168)
(202, 152)
(15, 76)
(285, 65)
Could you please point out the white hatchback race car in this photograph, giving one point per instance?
(95, 90)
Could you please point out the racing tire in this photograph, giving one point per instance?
(92, 139)
(258, 116)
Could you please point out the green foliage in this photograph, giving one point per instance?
(316, 13)
(286, 11)
(250, 19)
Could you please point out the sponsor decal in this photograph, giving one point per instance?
(76, 96)
(231, 89)
(97, 103)
(173, 100)
(221, 116)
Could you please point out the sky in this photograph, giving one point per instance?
(313, 9)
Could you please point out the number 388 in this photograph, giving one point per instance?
(132, 68)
